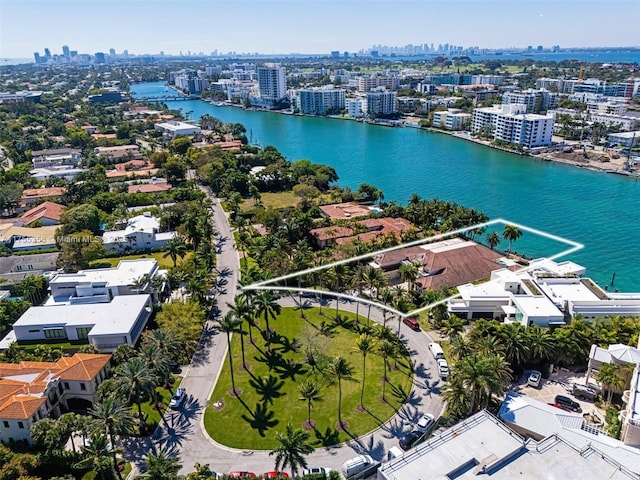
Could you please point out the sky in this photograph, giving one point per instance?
(309, 26)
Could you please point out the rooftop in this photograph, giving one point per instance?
(49, 210)
(126, 273)
(345, 210)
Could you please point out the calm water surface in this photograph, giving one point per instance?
(596, 209)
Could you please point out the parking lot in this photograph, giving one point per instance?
(559, 383)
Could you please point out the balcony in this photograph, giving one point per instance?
(625, 396)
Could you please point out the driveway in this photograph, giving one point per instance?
(182, 432)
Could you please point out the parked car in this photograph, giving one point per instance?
(178, 398)
(407, 441)
(316, 471)
(567, 404)
(425, 423)
(357, 465)
(240, 474)
(274, 474)
(412, 323)
(443, 368)
(584, 392)
(535, 378)
(436, 350)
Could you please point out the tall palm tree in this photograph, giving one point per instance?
(175, 248)
(610, 378)
(192, 228)
(166, 342)
(514, 339)
(266, 304)
(461, 347)
(457, 395)
(338, 276)
(493, 240)
(409, 273)
(541, 343)
(340, 369)
(157, 362)
(135, 382)
(30, 288)
(365, 344)
(482, 375)
(98, 458)
(386, 349)
(113, 418)
(386, 297)
(292, 449)
(452, 327)
(243, 312)
(229, 324)
(309, 392)
(162, 466)
(511, 233)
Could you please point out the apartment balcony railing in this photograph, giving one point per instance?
(625, 396)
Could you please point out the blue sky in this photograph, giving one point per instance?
(281, 26)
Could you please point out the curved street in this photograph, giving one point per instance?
(182, 432)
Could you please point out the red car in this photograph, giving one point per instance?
(412, 323)
(242, 475)
(268, 475)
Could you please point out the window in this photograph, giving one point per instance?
(20, 425)
(6, 424)
(83, 332)
(83, 386)
(54, 333)
(66, 385)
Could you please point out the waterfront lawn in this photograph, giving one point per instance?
(280, 200)
(159, 256)
(260, 416)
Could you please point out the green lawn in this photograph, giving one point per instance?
(153, 415)
(280, 200)
(251, 422)
(159, 256)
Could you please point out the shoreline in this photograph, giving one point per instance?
(402, 122)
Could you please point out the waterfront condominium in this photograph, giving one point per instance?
(319, 101)
(510, 123)
(272, 82)
(381, 102)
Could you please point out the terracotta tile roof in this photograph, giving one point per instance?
(49, 210)
(332, 232)
(29, 193)
(149, 188)
(82, 366)
(387, 224)
(21, 407)
(345, 210)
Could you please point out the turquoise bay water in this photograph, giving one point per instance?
(596, 209)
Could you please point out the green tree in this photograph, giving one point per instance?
(365, 344)
(511, 233)
(610, 378)
(77, 250)
(409, 273)
(514, 338)
(541, 343)
(291, 450)
(338, 370)
(452, 327)
(162, 466)
(113, 418)
(180, 145)
(386, 349)
(135, 382)
(229, 324)
(82, 217)
(184, 320)
(309, 392)
(493, 240)
(266, 304)
(175, 248)
(98, 457)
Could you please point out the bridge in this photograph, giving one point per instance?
(169, 98)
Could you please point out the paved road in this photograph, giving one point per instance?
(182, 432)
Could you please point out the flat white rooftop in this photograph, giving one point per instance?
(115, 317)
(124, 274)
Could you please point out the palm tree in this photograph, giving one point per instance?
(514, 339)
(452, 326)
(461, 347)
(457, 396)
(30, 288)
(511, 233)
(266, 305)
(166, 342)
(157, 362)
(229, 324)
(309, 392)
(409, 273)
(292, 449)
(175, 248)
(113, 418)
(541, 343)
(135, 382)
(162, 466)
(242, 311)
(386, 349)
(340, 369)
(386, 297)
(482, 375)
(337, 279)
(611, 380)
(365, 344)
(493, 240)
(98, 458)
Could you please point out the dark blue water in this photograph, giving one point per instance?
(597, 209)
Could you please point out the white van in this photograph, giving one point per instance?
(355, 465)
(394, 452)
(436, 350)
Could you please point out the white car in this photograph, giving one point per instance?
(178, 398)
(316, 471)
(443, 368)
(535, 377)
(426, 422)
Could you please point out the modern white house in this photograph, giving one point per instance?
(101, 285)
(65, 172)
(31, 391)
(175, 129)
(106, 326)
(546, 293)
(56, 157)
(142, 232)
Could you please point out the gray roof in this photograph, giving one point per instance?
(9, 264)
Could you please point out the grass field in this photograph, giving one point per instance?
(252, 420)
(159, 256)
(280, 200)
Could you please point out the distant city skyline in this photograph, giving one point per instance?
(313, 27)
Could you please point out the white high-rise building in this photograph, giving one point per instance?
(381, 102)
(319, 101)
(272, 83)
(356, 107)
(510, 123)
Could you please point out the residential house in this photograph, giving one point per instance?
(141, 233)
(120, 153)
(47, 213)
(345, 210)
(152, 187)
(15, 268)
(20, 239)
(173, 128)
(56, 157)
(31, 196)
(31, 391)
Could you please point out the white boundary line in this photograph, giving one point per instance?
(267, 284)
